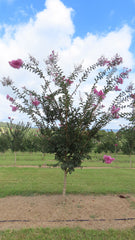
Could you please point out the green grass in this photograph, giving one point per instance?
(26, 158)
(30, 181)
(67, 234)
(36, 159)
(34, 181)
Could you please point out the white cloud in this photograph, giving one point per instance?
(53, 28)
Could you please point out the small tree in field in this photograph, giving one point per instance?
(67, 117)
(16, 135)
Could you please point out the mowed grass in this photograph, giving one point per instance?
(34, 181)
(37, 159)
(67, 234)
(30, 181)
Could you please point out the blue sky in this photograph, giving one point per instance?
(88, 16)
(78, 29)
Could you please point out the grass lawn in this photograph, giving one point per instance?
(36, 159)
(29, 181)
(67, 234)
(34, 181)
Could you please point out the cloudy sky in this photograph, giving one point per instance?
(81, 31)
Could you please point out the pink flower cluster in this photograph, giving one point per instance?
(10, 98)
(69, 81)
(16, 63)
(120, 80)
(35, 102)
(133, 96)
(108, 159)
(102, 61)
(114, 62)
(117, 89)
(123, 75)
(115, 111)
(99, 93)
(52, 58)
(10, 118)
(14, 108)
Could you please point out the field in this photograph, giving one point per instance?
(94, 193)
(37, 159)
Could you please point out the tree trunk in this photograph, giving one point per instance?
(15, 159)
(130, 162)
(43, 156)
(65, 183)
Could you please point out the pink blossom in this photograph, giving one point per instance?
(52, 58)
(100, 93)
(120, 80)
(133, 96)
(35, 102)
(14, 108)
(115, 111)
(116, 144)
(125, 72)
(10, 98)
(108, 159)
(95, 91)
(69, 81)
(117, 89)
(117, 60)
(16, 63)
(102, 61)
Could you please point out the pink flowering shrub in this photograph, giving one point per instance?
(67, 117)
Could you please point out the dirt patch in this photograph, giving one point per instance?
(90, 212)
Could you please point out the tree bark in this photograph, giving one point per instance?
(65, 183)
(15, 159)
(130, 162)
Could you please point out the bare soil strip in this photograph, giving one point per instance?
(89, 212)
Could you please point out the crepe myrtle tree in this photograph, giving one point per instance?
(67, 117)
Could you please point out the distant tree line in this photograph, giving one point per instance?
(21, 137)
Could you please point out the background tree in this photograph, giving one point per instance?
(4, 141)
(31, 141)
(106, 142)
(128, 132)
(128, 141)
(16, 135)
(70, 118)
